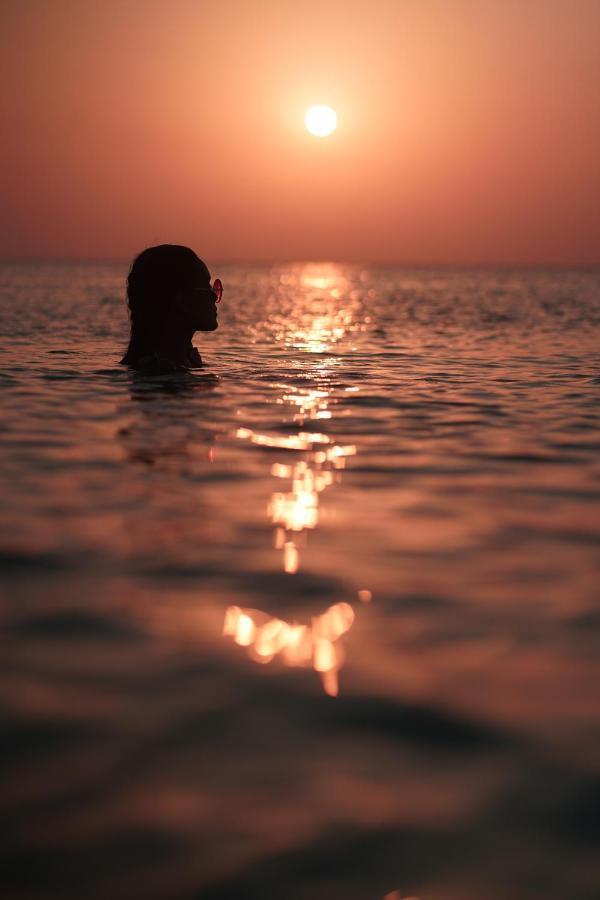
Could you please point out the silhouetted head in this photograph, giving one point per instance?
(167, 283)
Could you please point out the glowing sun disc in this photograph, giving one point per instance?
(320, 120)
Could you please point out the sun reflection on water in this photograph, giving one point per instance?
(297, 509)
(317, 310)
(315, 645)
(322, 321)
(292, 512)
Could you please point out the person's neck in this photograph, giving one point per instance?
(175, 342)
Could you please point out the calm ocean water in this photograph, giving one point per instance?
(319, 621)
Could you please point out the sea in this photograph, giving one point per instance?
(319, 621)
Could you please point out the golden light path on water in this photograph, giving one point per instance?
(295, 510)
(313, 645)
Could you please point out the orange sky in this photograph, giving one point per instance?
(469, 130)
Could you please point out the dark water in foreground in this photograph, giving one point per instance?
(428, 439)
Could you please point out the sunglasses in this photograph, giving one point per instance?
(216, 288)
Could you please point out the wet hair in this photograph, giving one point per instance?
(156, 275)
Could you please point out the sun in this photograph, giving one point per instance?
(321, 120)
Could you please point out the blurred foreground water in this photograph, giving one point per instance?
(319, 621)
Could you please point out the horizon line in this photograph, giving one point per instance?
(280, 261)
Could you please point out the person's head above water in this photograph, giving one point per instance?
(170, 296)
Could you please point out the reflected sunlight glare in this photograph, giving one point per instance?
(297, 508)
(313, 645)
(320, 317)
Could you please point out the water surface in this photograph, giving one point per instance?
(384, 488)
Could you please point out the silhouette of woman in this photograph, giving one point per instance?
(170, 297)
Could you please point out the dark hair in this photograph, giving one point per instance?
(154, 278)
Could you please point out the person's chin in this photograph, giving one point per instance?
(211, 325)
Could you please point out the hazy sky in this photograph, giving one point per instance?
(469, 130)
